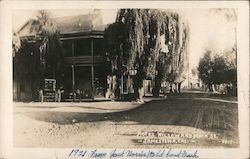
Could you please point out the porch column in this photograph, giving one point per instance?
(121, 63)
(73, 81)
(92, 69)
(73, 72)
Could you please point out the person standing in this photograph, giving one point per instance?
(59, 95)
(41, 95)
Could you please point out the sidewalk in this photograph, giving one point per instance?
(88, 107)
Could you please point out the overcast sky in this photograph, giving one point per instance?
(208, 29)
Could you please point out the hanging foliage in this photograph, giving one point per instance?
(140, 42)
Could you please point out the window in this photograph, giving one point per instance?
(82, 47)
(67, 47)
(98, 47)
(22, 87)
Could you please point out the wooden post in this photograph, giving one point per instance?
(72, 48)
(121, 65)
(122, 85)
(129, 84)
(92, 69)
(73, 81)
(18, 91)
(73, 72)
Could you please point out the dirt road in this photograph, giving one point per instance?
(177, 121)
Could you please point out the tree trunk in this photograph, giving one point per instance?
(170, 87)
(111, 86)
(156, 91)
(141, 94)
(211, 87)
(116, 87)
(179, 87)
(138, 85)
(18, 91)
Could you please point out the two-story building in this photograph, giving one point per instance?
(84, 58)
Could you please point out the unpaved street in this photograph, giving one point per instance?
(107, 124)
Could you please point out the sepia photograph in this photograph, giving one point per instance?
(125, 78)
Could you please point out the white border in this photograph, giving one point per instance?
(6, 7)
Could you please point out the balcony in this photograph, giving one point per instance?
(84, 60)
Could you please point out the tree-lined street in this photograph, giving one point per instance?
(77, 60)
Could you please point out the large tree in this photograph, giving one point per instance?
(218, 69)
(50, 45)
(38, 57)
(126, 45)
(205, 69)
(135, 42)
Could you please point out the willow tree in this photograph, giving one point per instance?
(113, 37)
(171, 49)
(135, 46)
(138, 46)
(126, 46)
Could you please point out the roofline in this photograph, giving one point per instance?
(93, 32)
(79, 35)
(73, 35)
(24, 25)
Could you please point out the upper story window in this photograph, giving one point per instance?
(67, 47)
(82, 47)
(98, 47)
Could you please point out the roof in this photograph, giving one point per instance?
(70, 24)
(80, 23)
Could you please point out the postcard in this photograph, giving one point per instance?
(124, 79)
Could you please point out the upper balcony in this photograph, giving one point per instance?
(83, 47)
(84, 51)
(84, 60)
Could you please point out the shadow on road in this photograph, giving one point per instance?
(206, 115)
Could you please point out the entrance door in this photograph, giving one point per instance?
(99, 81)
(83, 87)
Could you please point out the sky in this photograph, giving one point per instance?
(208, 28)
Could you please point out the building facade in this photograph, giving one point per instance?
(83, 75)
